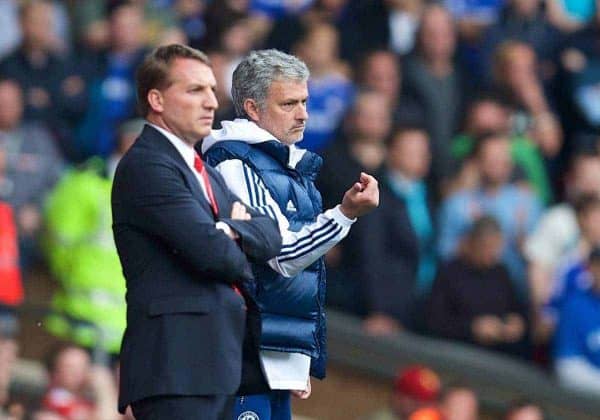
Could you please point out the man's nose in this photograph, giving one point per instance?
(211, 101)
(302, 113)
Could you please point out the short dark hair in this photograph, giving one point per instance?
(401, 130)
(485, 138)
(484, 225)
(153, 73)
(585, 203)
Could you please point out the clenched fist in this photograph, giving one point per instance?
(361, 198)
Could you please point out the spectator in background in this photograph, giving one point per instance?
(572, 274)
(360, 148)
(474, 16)
(416, 387)
(515, 208)
(79, 390)
(30, 167)
(516, 79)
(288, 30)
(331, 90)
(383, 24)
(88, 307)
(111, 75)
(577, 340)
(524, 410)
(9, 22)
(11, 295)
(557, 232)
(435, 81)
(488, 114)
(54, 90)
(571, 15)
(525, 21)
(473, 298)
(397, 262)
(380, 72)
(459, 403)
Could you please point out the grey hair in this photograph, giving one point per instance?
(252, 78)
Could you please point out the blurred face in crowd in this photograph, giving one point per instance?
(516, 65)
(186, 107)
(11, 110)
(237, 39)
(371, 117)
(529, 412)
(494, 161)
(37, 24)
(382, 74)
(409, 154)
(487, 116)
(71, 369)
(460, 404)
(485, 249)
(437, 34)
(526, 8)
(589, 224)
(126, 25)
(284, 113)
(319, 48)
(585, 176)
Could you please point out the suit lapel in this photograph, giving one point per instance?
(159, 142)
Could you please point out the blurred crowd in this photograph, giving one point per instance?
(480, 119)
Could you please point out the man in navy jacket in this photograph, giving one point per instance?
(257, 156)
(185, 242)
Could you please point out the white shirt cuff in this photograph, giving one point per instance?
(225, 228)
(340, 218)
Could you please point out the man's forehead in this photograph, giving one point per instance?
(289, 88)
(189, 71)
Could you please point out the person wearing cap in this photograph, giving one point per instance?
(415, 396)
(577, 340)
(88, 307)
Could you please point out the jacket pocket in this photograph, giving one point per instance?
(179, 305)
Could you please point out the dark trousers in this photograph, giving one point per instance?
(213, 407)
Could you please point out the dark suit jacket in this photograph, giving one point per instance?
(185, 323)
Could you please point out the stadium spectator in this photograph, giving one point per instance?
(9, 22)
(360, 148)
(416, 388)
(79, 390)
(516, 78)
(11, 295)
(572, 274)
(474, 16)
(577, 340)
(473, 298)
(383, 24)
(525, 21)
(488, 114)
(515, 208)
(397, 251)
(571, 15)
(435, 81)
(31, 166)
(88, 307)
(459, 402)
(524, 410)
(111, 74)
(557, 232)
(380, 72)
(330, 87)
(54, 91)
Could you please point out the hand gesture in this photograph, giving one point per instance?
(361, 198)
(239, 212)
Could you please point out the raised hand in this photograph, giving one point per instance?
(361, 198)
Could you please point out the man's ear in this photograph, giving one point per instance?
(251, 108)
(155, 100)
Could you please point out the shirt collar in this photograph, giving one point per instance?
(186, 151)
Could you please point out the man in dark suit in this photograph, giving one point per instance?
(185, 242)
